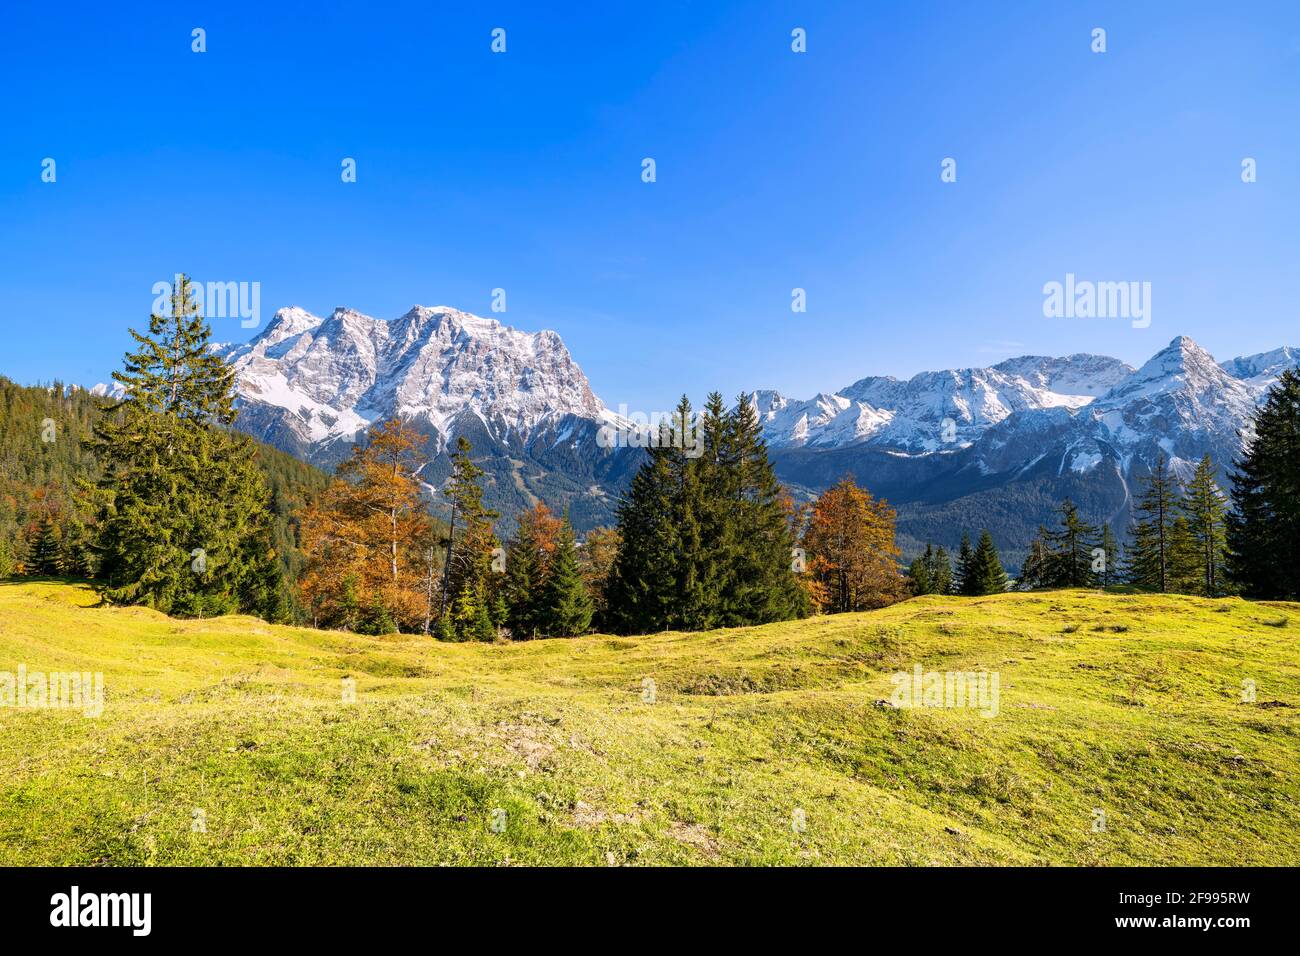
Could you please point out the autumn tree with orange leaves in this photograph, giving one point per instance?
(851, 554)
(368, 539)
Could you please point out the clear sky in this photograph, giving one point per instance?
(775, 170)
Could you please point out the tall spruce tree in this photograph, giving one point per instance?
(1071, 546)
(1109, 573)
(1264, 525)
(1154, 512)
(1036, 571)
(641, 588)
(987, 575)
(697, 592)
(1205, 508)
(1185, 575)
(530, 554)
(918, 572)
(188, 527)
(965, 581)
(931, 573)
(941, 572)
(43, 550)
(760, 584)
(705, 529)
(566, 606)
(469, 584)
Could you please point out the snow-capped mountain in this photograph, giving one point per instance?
(1261, 371)
(994, 447)
(935, 411)
(314, 385)
(1022, 436)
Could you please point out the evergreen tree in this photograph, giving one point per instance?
(1149, 552)
(566, 607)
(187, 529)
(530, 553)
(1184, 573)
(1264, 526)
(941, 572)
(918, 572)
(697, 592)
(1108, 574)
(706, 529)
(965, 582)
(760, 584)
(1205, 508)
(642, 582)
(986, 573)
(1036, 572)
(43, 549)
(469, 584)
(931, 573)
(77, 549)
(1071, 547)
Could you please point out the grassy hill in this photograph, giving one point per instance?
(1127, 703)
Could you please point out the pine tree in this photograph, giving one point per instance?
(1036, 572)
(43, 549)
(642, 581)
(1154, 512)
(566, 607)
(1264, 525)
(965, 581)
(707, 531)
(986, 573)
(529, 556)
(697, 592)
(1205, 508)
(918, 572)
(1185, 574)
(931, 573)
(187, 527)
(760, 584)
(1108, 574)
(469, 583)
(941, 572)
(1072, 546)
(77, 549)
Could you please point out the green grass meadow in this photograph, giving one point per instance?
(229, 742)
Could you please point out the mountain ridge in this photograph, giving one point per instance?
(941, 445)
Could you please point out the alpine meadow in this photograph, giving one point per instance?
(579, 442)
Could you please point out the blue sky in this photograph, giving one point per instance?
(775, 170)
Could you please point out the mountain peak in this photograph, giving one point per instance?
(1182, 353)
(316, 382)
